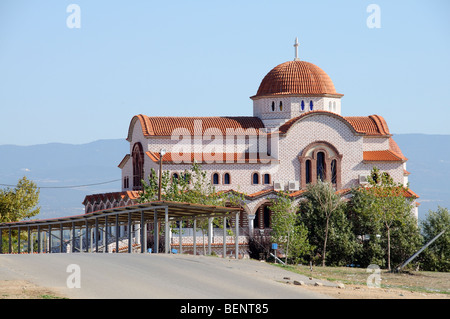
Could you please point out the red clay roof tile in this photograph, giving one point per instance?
(381, 156)
(296, 77)
(166, 126)
(368, 125)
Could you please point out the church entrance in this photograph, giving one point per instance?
(262, 221)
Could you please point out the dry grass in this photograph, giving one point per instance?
(415, 284)
(22, 289)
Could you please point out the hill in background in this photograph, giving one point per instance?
(62, 165)
(56, 165)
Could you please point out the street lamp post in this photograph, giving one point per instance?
(161, 154)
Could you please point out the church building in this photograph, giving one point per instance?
(297, 134)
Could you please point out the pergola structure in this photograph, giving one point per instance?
(145, 213)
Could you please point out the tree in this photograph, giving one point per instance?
(323, 197)
(437, 256)
(383, 201)
(17, 204)
(290, 235)
(20, 202)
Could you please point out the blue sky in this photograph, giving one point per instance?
(206, 58)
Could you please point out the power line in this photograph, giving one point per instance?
(73, 186)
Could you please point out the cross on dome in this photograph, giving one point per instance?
(296, 50)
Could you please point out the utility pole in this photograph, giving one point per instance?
(421, 249)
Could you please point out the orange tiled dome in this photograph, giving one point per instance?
(296, 77)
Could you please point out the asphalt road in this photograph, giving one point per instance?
(153, 276)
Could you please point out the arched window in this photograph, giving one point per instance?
(320, 161)
(311, 105)
(175, 176)
(334, 106)
(215, 178)
(333, 172)
(138, 166)
(255, 178)
(281, 106)
(126, 182)
(267, 214)
(308, 171)
(273, 106)
(321, 166)
(266, 179)
(303, 105)
(226, 178)
(329, 106)
(262, 217)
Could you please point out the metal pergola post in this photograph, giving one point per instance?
(87, 235)
(224, 237)
(18, 240)
(74, 237)
(180, 237)
(105, 249)
(167, 230)
(129, 232)
(96, 235)
(194, 239)
(29, 239)
(50, 239)
(10, 243)
(39, 239)
(145, 237)
(142, 232)
(210, 230)
(61, 240)
(237, 236)
(117, 233)
(80, 249)
(155, 232)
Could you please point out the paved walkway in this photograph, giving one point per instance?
(107, 276)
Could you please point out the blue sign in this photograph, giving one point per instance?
(274, 246)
